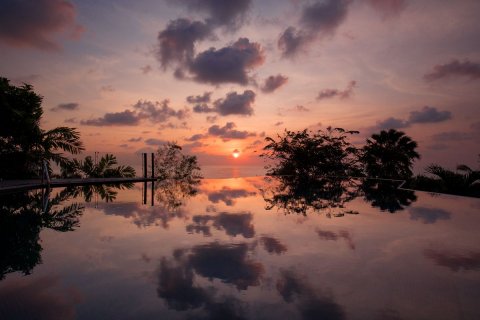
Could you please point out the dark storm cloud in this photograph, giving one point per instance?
(388, 8)
(177, 41)
(428, 215)
(273, 245)
(155, 112)
(228, 195)
(455, 261)
(310, 303)
(454, 68)
(272, 83)
(230, 64)
(333, 93)
(205, 98)
(66, 106)
(429, 115)
(319, 19)
(228, 132)
(233, 103)
(36, 23)
(228, 13)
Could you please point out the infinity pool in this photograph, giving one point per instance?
(244, 248)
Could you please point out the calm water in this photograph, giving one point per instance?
(240, 249)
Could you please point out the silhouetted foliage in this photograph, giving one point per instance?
(105, 168)
(386, 195)
(464, 181)
(389, 154)
(308, 154)
(170, 163)
(23, 144)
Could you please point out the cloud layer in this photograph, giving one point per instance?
(36, 23)
(454, 68)
(319, 19)
(333, 93)
(233, 104)
(155, 112)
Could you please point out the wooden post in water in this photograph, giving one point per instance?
(145, 165)
(153, 165)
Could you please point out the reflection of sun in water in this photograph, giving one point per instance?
(236, 153)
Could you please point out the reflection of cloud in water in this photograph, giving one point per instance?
(428, 215)
(453, 260)
(144, 216)
(232, 223)
(42, 298)
(228, 195)
(335, 236)
(179, 287)
(311, 304)
(228, 263)
(272, 245)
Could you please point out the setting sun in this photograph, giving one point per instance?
(236, 153)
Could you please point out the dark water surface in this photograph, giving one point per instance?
(244, 248)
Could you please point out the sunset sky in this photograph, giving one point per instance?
(218, 76)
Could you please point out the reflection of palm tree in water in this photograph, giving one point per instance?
(386, 195)
(24, 215)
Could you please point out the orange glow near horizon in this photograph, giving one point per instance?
(236, 153)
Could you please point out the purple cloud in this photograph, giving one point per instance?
(205, 98)
(71, 106)
(177, 41)
(154, 112)
(233, 103)
(228, 132)
(319, 19)
(36, 23)
(227, 13)
(333, 93)
(272, 83)
(454, 68)
(230, 64)
(429, 115)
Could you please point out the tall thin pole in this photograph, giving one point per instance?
(145, 165)
(153, 165)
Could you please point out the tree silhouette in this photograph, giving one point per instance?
(389, 154)
(105, 168)
(312, 154)
(23, 144)
(171, 163)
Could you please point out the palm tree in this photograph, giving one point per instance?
(23, 144)
(389, 154)
(465, 181)
(105, 168)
